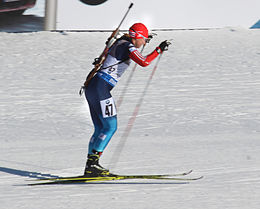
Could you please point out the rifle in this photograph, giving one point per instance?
(100, 60)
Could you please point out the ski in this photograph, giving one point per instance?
(114, 177)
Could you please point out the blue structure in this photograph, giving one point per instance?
(256, 25)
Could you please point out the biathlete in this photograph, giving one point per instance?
(101, 103)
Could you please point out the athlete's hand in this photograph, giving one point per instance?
(164, 46)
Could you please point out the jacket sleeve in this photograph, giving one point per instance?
(144, 61)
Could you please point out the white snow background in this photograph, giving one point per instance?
(200, 112)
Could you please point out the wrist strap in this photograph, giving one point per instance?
(159, 51)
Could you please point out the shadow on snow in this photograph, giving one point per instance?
(29, 174)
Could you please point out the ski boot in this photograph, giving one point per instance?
(93, 168)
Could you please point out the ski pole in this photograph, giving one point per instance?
(131, 120)
(120, 100)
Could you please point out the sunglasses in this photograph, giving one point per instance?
(146, 39)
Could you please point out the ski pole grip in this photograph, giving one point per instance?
(130, 5)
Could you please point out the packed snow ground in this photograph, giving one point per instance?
(201, 112)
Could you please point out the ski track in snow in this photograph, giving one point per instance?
(200, 112)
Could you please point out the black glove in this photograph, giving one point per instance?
(163, 46)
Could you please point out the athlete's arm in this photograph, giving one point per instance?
(144, 61)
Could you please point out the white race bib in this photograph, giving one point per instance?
(108, 107)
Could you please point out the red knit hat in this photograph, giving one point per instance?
(138, 31)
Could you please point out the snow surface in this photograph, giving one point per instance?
(200, 111)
